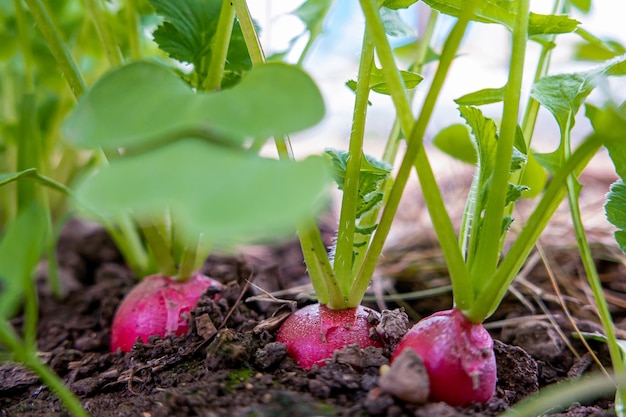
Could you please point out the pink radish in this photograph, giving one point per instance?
(458, 356)
(157, 306)
(314, 332)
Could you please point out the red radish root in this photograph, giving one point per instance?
(314, 332)
(458, 356)
(157, 306)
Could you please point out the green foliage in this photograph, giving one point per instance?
(210, 183)
(21, 248)
(481, 97)
(484, 138)
(187, 33)
(379, 85)
(312, 14)
(145, 104)
(394, 24)
(398, 4)
(372, 174)
(611, 125)
(455, 140)
(226, 195)
(503, 12)
(563, 95)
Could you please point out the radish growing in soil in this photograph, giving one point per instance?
(456, 353)
(167, 220)
(314, 332)
(157, 306)
(480, 271)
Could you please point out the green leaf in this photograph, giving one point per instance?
(455, 140)
(408, 52)
(563, 94)
(484, 132)
(600, 51)
(551, 161)
(14, 176)
(187, 32)
(312, 14)
(534, 177)
(225, 195)
(610, 124)
(615, 211)
(379, 85)
(372, 174)
(582, 5)
(20, 250)
(398, 4)
(394, 24)
(503, 12)
(480, 97)
(145, 104)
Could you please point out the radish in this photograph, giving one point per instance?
(458, 356)
(157, 306)
(314, 332)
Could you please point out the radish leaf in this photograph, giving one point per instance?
(145, 104)
(225, 194)
(503, 12)
(455, 140)
(187, 32)
(379, 85)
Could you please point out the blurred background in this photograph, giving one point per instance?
(482, 63)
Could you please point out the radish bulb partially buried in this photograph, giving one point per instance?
(157, 306)
(314, 332)
(458, 356)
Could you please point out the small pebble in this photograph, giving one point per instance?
(406, 378)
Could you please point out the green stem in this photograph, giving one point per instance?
(485, 261)
(111, 48)
(219, 47)
(160, 243)
(313, 35)
(343, 262)
(591, 272)
(128, 240)
(25, 45)
(188, 261)
(315, 255)
(318, 266)
(25, 355)
(133, 27)
(492, 293)
(57, 47)
(415, 156)
(250, 35)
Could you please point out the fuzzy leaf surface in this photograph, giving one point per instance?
(187, 32)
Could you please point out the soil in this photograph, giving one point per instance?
(230, 365)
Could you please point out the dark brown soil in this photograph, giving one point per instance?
(230, 365)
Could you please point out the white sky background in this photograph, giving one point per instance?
(482, 63)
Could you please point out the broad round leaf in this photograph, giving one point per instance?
(225, 195)
(145, 104)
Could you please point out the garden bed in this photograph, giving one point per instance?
(229, 364)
